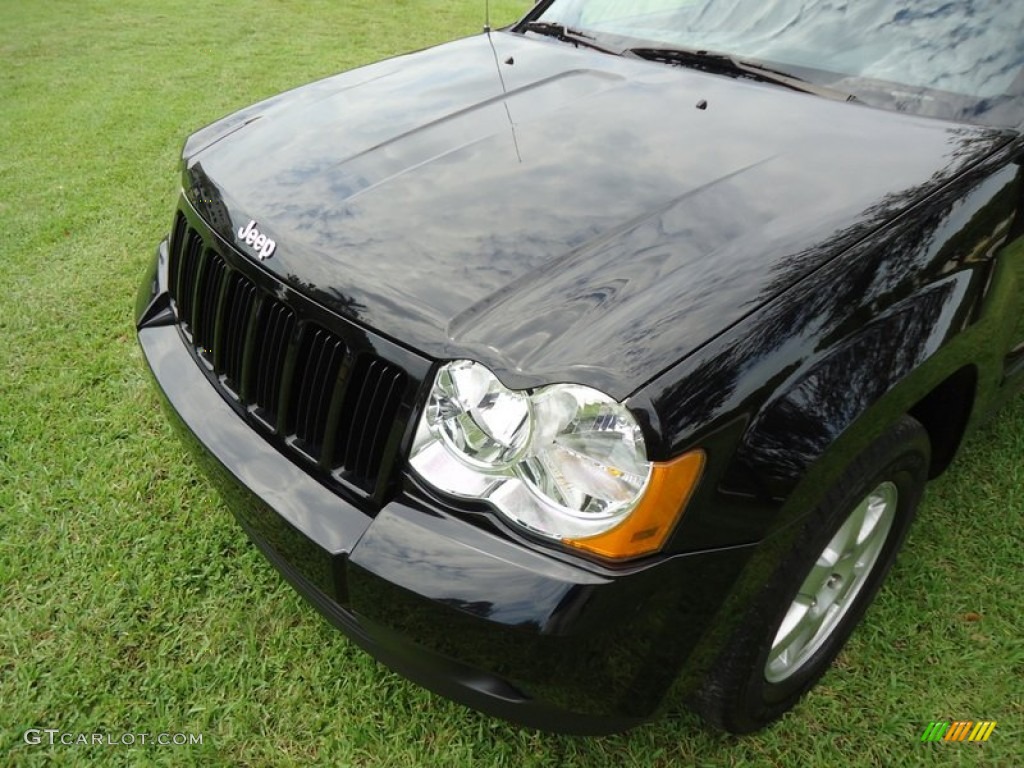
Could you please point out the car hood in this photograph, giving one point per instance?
(555, 212)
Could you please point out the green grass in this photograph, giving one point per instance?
(131, 600)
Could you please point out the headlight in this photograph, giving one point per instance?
(565, 461)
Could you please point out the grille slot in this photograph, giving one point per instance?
(204, 324)
(239, 304)
(187, 275)
(274, 329)
(316, 380)
(177, 243)
(287, 374)
(371, 405)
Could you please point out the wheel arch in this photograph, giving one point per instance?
(945, 413)
(915, 360)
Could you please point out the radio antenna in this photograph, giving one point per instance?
(487, 17)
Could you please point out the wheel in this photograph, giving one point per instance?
(801, 618)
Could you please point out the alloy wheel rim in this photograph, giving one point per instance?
(831, 588)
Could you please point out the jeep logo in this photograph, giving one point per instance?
(260, 243)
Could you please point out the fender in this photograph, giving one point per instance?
(823, 408)
(784, 399)
(966, 320)
(882, 368)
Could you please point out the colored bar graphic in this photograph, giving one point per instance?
(960, 730)
(985, 732)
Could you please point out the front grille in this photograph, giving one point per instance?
(336, 407)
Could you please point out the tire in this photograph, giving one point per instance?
(798, 622)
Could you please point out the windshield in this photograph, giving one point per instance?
(956, 59)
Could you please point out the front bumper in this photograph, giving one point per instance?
(461, 610)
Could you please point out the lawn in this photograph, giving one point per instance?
(132, 602)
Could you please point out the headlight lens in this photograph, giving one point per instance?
(565, 461)
(477, 418)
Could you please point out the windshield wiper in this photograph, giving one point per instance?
(566, 34)
(724, 64)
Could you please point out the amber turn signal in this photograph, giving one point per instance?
(648, 526)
